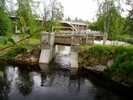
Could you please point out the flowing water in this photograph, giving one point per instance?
(49, 82)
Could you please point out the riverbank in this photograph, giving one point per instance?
(22, 54)
(114, 62)
(29, 58)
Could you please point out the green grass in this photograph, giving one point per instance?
(4, 45)
(34, 41)
(97, 54)
(24, 46)
(14, 51)
(102, 53)
(122, 37)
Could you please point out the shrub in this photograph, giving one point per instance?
(123, 62)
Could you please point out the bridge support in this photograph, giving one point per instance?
(74, 59)
(47, 48)
(49, 40)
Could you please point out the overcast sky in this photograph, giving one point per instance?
(84, 9)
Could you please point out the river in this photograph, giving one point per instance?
(52, 82)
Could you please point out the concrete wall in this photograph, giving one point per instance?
(47, 47)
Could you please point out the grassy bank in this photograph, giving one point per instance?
(121, 69)
(9, 52)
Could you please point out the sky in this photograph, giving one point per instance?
(84, 9)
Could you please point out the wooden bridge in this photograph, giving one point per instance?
(73, 39)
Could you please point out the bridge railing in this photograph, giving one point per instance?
(82, 39)
(62, 29)
(74, 39)
(69, 38)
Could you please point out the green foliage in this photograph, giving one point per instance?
(98, 51)
(27, 23)
(93, 26)
(116, 24)
(2, 4)
(4, 40)
(123, 64)
(129, 26)
(122, 68)
(110, 20)
(129, 20)
(51, 25)
(15, 51)
(96, 54)
(5, 24)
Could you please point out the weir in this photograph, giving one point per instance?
(49, 40)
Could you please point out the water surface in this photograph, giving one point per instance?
(49, 82)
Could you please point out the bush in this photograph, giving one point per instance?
(123, 62)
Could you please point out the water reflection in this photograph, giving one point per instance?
(4, 84)
(49, 82)
(43, 78)
(104, 95)
(74, 83)
(24, 82)
(63, 56)
(58, 83)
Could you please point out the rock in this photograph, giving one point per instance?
(98, 68)
(110, 63)
(27, 58)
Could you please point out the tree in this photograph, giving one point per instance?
(104, 9)
(68, 19)
(130, 17)
(25, 83)
(26, 20)
(56, 14)
(56, 10)
(76, 19)
(2, 4)
(109, 19)
(5, 24)
(46, 14)
(52, 14)
(11, 7)
(4, 86)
